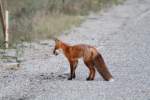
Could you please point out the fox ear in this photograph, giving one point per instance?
(55, 39)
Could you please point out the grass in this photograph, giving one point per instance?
(44, 26)
(53, 25)
(40, 19)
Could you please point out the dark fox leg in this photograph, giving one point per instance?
(90, 73)
(93, 74)
(74, 68)
(91, 68)
(73, 65)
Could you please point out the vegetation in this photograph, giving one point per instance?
(40, 19)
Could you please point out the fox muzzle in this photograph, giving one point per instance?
(55, 52)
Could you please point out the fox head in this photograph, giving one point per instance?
(57, 46)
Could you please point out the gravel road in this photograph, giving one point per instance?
(121, 34)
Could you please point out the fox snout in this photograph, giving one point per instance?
(55, 52)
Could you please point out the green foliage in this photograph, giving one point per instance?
(38, 19)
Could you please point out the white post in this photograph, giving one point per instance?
(6, 29)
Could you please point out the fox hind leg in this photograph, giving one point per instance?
(91, 68)
(91, 74)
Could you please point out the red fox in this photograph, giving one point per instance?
(92, 59)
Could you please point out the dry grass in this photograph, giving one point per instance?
(40, 19)
(43, 26)
(53, 24)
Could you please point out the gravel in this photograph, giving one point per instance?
(121, 34)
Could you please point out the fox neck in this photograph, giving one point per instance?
(64, 47)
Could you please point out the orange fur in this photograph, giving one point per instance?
(92, 59)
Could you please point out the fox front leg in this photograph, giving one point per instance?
(74, 68)
(71, 72)
(73, 65)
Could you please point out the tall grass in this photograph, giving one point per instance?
(40, 19)
(43, 26)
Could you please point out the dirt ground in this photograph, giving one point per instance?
(121, 34)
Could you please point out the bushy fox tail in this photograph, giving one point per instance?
(102, 68)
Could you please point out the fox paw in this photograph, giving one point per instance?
(70, 78)
(74, 77)
(89, 79)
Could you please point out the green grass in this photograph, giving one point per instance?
(53, 24)
(40, 19)
(44, 26)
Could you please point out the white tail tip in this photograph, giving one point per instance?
(111, 80)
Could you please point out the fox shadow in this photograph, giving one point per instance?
(61, 76)
(54, 76)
